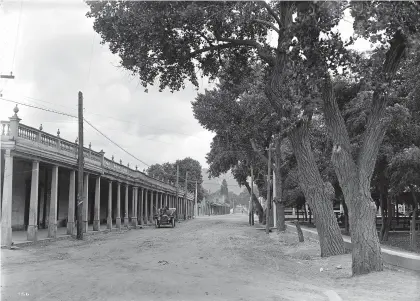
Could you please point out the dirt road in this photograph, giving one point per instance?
(216, 258)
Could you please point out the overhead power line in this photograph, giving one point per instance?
(110, 140)
(39, 108)
(96, 129)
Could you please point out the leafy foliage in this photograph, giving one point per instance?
(167, 172)
(404, 170)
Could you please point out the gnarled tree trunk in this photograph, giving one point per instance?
(354, 181)
(355, 176)
(317, 194)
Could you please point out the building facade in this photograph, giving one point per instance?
(39, 187)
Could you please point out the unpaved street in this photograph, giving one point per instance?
(208, 258)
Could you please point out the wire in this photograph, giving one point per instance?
(39, 108)
(39, 100)
(110, 140)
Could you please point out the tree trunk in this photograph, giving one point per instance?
(383, 218)
(413, 240)
(389, 216)
(346, 219)
(355, 180)
(355, 176)
(310, 215)
(280, 214)
(316, 192)
(299, 231)
(305, 213)
(257, 206)
(297, 213)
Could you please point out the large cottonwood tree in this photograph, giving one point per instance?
(172, 40)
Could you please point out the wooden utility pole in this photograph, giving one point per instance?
(274, 204)
(80, 172)
(185, 197)
(195, 201)
(251, 205)
(268, 213)
(177, 192)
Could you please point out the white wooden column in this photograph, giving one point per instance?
(85, 208)
(52, 224)
(146, 206)
(118, 215)
(109, 217)
(126, 207)
(33, 205)
(6, 209)
(151, 207)
(141, 211)
(134, 208)
(97, 206)
(72, 203)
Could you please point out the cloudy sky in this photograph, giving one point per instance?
(54, 52)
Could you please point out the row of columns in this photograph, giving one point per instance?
(143, 207)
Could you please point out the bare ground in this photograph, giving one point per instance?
(209, 258)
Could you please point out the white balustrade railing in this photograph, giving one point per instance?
(5, 128)
(28, 133)
(59, 144)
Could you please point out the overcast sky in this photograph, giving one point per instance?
(54, 52)
(58, 54)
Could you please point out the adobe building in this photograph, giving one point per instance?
(39, 187)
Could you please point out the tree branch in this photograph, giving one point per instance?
(271, 25)
(272, 13)
(377, 122)
(263, 53)
(374, 135)
(211, 48)
(264, 158)
(341, 157)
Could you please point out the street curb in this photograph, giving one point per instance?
(402, 259)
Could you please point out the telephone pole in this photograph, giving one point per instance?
(195, 201)
(251, 202)
(80, 172)
(268, 214)
(185, 197)
(177, 192)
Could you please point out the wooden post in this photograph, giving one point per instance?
(267, 216)
(274, 204)
(195, 200)
(185, 197)
(177, 188)
(80, 172)
(251, 206)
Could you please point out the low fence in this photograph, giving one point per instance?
(406, 260)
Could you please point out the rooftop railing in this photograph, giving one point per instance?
(55, 143)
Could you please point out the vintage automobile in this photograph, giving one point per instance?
(165, 217)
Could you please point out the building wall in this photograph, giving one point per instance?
(63, 196)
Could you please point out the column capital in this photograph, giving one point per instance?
(8, 153)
